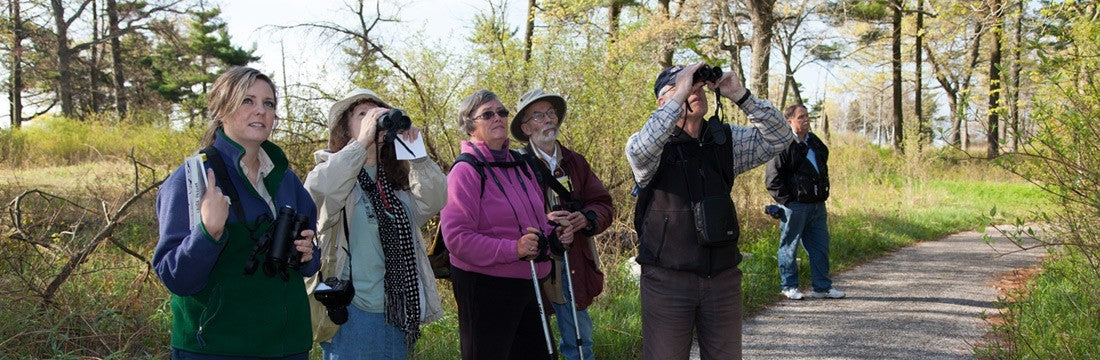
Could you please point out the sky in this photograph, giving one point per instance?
(439, 22)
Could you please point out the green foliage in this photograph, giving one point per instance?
(1057, 316)
(183, 67)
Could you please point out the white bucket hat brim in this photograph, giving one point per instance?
(352, 97)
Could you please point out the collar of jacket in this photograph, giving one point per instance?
(566, 154)
(232, 152)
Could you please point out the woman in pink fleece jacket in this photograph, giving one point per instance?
(486, 231)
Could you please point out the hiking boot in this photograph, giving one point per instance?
(832, 293)
(793, 293)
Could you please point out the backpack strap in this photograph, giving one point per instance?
(544, 177)
(214, 158)
(477, 164)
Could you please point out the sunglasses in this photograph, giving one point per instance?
(488, 115)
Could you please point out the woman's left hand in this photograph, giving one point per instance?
(566, 237)
(411, 134)
(305, 245)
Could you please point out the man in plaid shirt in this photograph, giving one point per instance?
(684, 168)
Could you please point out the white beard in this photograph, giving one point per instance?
(549, 138)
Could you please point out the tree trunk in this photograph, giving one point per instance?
(116, 59)
(530, 31)
(762, 15)
(994, 82)
(93, 101)
(64, 75)
(895, 60)
(666, 53)
(15, 93)
(964, 97)
(925, 128)
(614, 10)
(1014, 105)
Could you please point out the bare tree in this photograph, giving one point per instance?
(1014, 95)
(791, 35)
(895, 62)
(994, 80)
(64, 52)
(762, 15)
(531, 7)
(731, 39)
(15, 91)
(24, 229)
(366, 44)
(118, 75)
(666, 53)
(924, 130)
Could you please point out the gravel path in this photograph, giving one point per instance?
(921, 302)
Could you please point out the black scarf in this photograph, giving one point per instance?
(395, 233)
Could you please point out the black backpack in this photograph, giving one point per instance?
(438, 255)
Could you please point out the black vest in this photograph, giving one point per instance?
(689, 169)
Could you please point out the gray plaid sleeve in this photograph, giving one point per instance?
(643, 149)
(767, 135)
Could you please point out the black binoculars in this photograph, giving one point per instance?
(279, 245)
(707, 73)
(393, 122)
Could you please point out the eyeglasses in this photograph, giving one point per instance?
(488, 115)
(543, 116)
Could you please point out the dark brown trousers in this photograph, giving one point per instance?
(676, 303)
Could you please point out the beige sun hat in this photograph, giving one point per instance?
(531, 97)
(341, 106)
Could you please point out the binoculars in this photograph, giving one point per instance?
(279, 245)
(707, 73)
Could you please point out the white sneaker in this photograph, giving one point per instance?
(832, 293)
(792, 293)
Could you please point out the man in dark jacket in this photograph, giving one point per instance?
(684, 168)
(574, 194)
(798, 179)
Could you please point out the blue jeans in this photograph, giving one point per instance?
(366, 335)
(806, 223)
(564, 314)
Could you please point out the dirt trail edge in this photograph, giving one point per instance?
(920, 302)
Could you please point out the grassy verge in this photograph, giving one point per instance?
(114, 308)
(1056, 316)
(872, 212)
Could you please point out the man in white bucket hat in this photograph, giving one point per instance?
(574, 194)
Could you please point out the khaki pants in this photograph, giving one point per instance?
(676, 302)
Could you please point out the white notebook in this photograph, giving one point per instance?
(195, 173)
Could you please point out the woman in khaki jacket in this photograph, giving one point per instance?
(371, 207)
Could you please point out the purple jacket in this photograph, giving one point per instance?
(480, 230)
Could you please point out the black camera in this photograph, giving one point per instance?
(282, 254)
(774, 211)
(707, 73)
(335, 295)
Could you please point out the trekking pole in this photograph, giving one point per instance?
(542, 312)
(573, 303)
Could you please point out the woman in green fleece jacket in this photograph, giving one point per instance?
(220, 310)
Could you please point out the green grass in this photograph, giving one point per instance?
(114, 308)
(1057, 316)
(868, 218)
